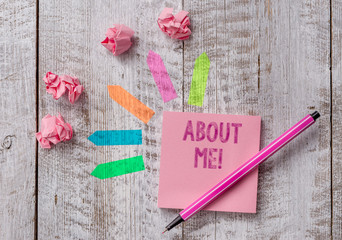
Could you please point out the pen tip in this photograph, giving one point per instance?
(164, 231)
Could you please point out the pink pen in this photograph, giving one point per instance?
(243, 170)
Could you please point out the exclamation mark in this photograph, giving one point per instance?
(220, 159)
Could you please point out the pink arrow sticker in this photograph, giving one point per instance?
(161, 77)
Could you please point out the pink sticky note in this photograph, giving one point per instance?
(161, 77)
(198, 150)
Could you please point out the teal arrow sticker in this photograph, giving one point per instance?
(116, 137)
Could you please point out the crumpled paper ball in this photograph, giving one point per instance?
(74, 87)
(176, 26)
(57, 85)
(54, 85)
(118, 39)
(53, 130)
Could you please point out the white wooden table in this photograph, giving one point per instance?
(277, 59)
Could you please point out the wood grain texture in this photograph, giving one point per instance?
(17, 119)
(149, 224)
(203, 38)
(294, 80)
(268, 58)
(72, 204)
(66, 204)
(238, 93)
(263, 64)
(336, 15)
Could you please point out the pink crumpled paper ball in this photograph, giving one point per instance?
(54, 85)
(57, 85)
(176, 26)
(74, 87)
(118, 39)
(53, 130)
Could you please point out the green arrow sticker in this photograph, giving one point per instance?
(199, 80)
(120, 167)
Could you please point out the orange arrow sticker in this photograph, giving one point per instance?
(130, 103)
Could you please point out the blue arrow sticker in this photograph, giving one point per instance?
(116, 137)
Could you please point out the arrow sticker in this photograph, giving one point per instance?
(116, 137)
(199, 80)
(120, 167)
(130, 103)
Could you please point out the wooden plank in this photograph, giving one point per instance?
(261, 64)
(73, 204)
(148, 221)
(288, 79)
(336, 8)
(17, 119)
(203, 21)
(238, 87)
